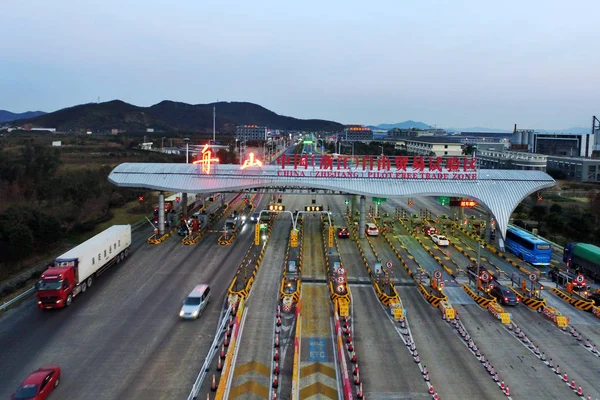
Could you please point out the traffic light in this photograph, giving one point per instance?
(313, 208)
(178, 199)
(330, 242)
(346, 202)
(410, 202)
(276, 207)
(141, 199)
(257, 234)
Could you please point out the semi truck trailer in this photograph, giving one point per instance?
(74, 272)
(584, 258)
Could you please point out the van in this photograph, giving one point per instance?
(196, 301)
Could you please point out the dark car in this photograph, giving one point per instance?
(504, 295)
(343, 233)
(39, 384)
(254, 217)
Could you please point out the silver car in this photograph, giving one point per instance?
(196, 301)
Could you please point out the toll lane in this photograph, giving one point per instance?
(318, 373)
(313, 262)
(586, 323)
(382, 352)
(454, 372)
(348, 250)
(527, 377)
(565, 350)
(115, 340)
(252, 368)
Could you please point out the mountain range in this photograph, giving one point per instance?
(172, 116)
(177, 116)
(9, 116)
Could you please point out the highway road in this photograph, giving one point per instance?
(123, 339)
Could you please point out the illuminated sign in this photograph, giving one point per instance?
(463, 203)
(313, 208)
(206, 160)
(377, 167)
(251, 162)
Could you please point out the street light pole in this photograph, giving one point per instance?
(187, 150)
(162, 144)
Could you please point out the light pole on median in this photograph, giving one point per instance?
(162, 144)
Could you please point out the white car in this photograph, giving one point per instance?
(371, 230)
(440, 240)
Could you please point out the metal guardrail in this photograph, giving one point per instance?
(26, 293)
(209, 357)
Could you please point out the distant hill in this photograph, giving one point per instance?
(173, 116)
(401, 125)
(9, 116)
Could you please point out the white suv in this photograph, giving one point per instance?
(371, 230)
(440, 240)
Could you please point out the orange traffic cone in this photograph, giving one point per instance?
(207, 396)
(278, 321)
(213, 386)
(431, 391)
(353, 359)
(507, 391)
(579, 391)
(573, 384)
(219, 365)
(357, 377)
(502, 387)
(274, 394)
(276, 356)
(276, 340)
(226, 341)
(275, 382)
(276, 369)
(566, 377)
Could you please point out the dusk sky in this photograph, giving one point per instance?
(461, 63)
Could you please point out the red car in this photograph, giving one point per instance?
(39, 384)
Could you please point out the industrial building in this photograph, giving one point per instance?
(251, 132)
(494, 159)
(554, 144)
(440, 146)
(576, 168)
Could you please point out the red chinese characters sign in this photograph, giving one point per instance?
(397, 167)
(207, 160)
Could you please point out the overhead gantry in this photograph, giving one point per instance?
(499, 191)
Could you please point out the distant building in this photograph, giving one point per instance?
(493, 159)
(356, 133)
(553, 144)
(395, 133)
(441, 146)
(251, 132)
(144, 146)
(559, 144)
(576, 168)
(57, 143)
(149, 130)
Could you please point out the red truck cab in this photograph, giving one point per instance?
(55, 287)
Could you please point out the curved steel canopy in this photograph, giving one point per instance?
(500, 191)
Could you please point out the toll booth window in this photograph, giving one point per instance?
(99, 256)
(115, 246)
(119, 241)
(93, 260)
(104, 253)
(109, 249)
(292, 266)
